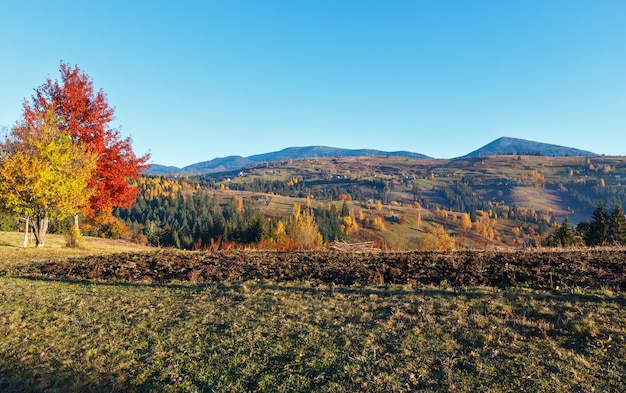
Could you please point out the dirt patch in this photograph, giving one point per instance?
(537, 269)
(593, 269)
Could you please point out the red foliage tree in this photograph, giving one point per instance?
(86, 116)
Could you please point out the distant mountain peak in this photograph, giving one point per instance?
(516, 146)
(500, 146)
(233, 163)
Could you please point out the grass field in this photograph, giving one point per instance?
(12, 252)
(74, 335)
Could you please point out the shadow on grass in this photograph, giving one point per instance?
(121, 284)
(18, 376)
(384, 290)
(10, 245)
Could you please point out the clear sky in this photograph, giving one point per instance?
(196, 80)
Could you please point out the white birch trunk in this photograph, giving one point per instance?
(27, 223)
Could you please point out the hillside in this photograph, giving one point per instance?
(511, 200)
(519, 195)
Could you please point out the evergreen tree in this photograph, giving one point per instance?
(597, 232)
(562, 236)
(345, 210)
(617, 225)
(329, 224)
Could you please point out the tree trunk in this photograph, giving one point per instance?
(27, 223)
(40, 227)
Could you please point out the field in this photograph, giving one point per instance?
(148, 320)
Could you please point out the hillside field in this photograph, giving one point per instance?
(64, 332)
(523, 195)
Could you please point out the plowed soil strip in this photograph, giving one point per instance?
(594, 269)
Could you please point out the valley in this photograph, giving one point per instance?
(523, 196)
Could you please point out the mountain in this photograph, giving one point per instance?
(292, 153)
(222, 164)
(156, 169)
(505, 145)
(232, 163)
(501, 146)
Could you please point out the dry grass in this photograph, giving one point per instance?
(77, 336)
(12, 252)
(89, 336)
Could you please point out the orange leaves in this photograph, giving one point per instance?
(86, 116)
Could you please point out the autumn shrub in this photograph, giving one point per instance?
(113, 229)
(73, 237)
(437, 239)
(139, 238)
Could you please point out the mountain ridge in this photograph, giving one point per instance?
(500, 146)
(513, 146)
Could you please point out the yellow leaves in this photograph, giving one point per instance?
(349, 225)
(437, 239)
(466, 222)
(297, 209)
(153, 187)
(379, 223)
(302, 228)
(43, 170)
(238, 203)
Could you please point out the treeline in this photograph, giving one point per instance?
(193, 221)
(197, 220)
(295, 187)
(462, 198)
(604, 229)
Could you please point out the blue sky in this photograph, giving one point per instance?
(192, 81)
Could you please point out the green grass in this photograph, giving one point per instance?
(80, 336)
(76, 336)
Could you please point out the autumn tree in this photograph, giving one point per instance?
(466, 224)
(437, 239)
(43, 174)
(301, 227)
(86, 116)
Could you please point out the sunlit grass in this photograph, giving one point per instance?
(75, 336)
(12, 251)
(81, 336)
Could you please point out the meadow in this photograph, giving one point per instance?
(67, 333)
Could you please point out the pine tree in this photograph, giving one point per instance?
(562, 236)
(617, 225)
(598, 231)
(345, 210)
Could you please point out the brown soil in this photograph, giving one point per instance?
(598, 268)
